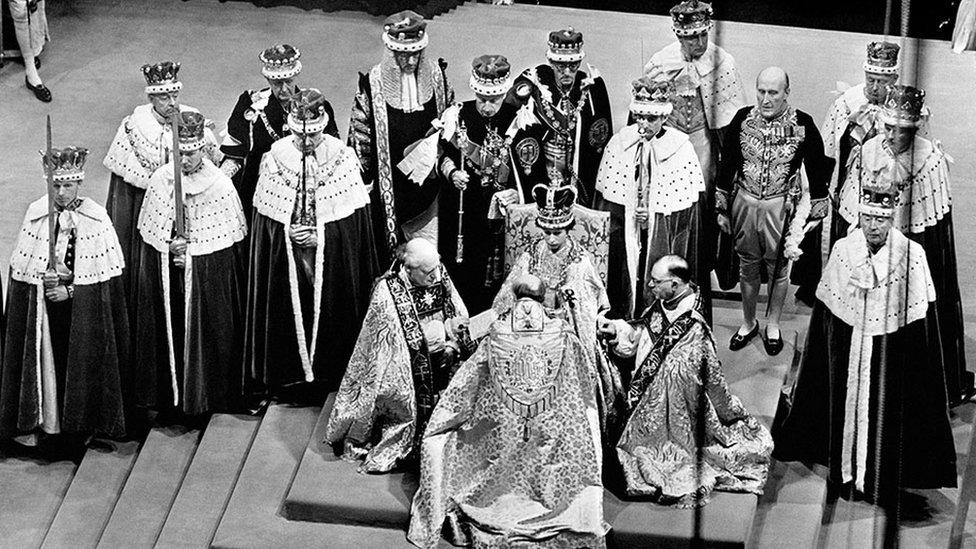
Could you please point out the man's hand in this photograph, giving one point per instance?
(50, 279)
(56, 294)
(454, 325)
(723, 223)
(606, 330)
(460, 179)
(304, 236)
(177, 249)
(506, 198)
(642, 215)
(230, 167)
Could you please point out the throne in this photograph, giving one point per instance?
(591, 231)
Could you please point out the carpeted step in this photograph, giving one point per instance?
(92, 495)
(381, 500)
(252, 521)
(31, 490)
(725, 522)
(209, 481)
(149, 491)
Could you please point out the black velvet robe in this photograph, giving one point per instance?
(255, 140)
(916, 448)
(207, 359)
(123, 205)
(89, 336)
(479, 275)
(271, 353)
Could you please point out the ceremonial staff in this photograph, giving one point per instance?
(462, 133)
(52, 235)
(179, 222)
(303, 216)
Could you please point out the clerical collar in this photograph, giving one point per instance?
(679, 306)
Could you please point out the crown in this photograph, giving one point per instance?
(65, 164)
(405, 32)
(307, 114)
(691, 17)
(162, 77)
(280, 62)
(878, 196)
(489, 75)
(565, 46)
(882, 58)
(555, 205)
(903, 106)
(651, 97)
(191, 131)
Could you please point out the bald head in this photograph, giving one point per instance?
(529, 285)
(673, 266)
(421, 261)
(772, 91)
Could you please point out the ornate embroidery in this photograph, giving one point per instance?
(599, 133)
(648, 370)
(768, 150)
(384, 174)
(527, 151)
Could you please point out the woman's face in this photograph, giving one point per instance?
(555, 238)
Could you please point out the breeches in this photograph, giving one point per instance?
(758, 227)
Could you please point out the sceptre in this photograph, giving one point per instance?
(462, 132)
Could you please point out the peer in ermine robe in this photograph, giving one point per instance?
(651, 183)
(869, 400)
(66, 342)
(684, 433)
(143, 143)
(312, 260)
(512, 453)
(190, 319)
(412, 340)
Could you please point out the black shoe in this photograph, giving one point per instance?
(40, 91)
(773, 345)
(739, 341)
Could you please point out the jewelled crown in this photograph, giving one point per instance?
(565, 46)
(903, 106)
(555, 205)
(691, 17)
(878, 197)
(489, 75)
(405, 32)
(307, 113)
(67, 164)
(162, 77)
(281, 62)
(191, 131)
(882, 58)
(651, 97)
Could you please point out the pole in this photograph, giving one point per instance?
(179, 221)
(52, 257)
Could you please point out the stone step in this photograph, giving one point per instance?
(31, 489)
(91, 498)
(725, 522)
(791, 506)
(149, 491)
(252, 518)
(381, 500)
(209, 481)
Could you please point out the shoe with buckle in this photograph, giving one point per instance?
(772, 345)
(739, 341)
(40, 91)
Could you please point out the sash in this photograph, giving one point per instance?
(649, 369)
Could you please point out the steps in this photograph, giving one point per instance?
(31, 490)
(90, 500)
(209, 481)
(148, 493)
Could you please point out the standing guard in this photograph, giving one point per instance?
(393, 109)
(574, 106)
(190, 295)
(260, 118)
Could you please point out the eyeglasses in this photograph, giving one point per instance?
(655, 281)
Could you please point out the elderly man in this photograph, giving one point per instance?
(770, 185)
(483, 142)
(260, 118)
(708, 94)
(574, 108)
(190, 317)
(312, 260)
(678, 376)
(66, 348)
(393, 109)
(413, 338)
(512, 456)
(651, 183)
(923, 212)
(142, 144)
(869, 401)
